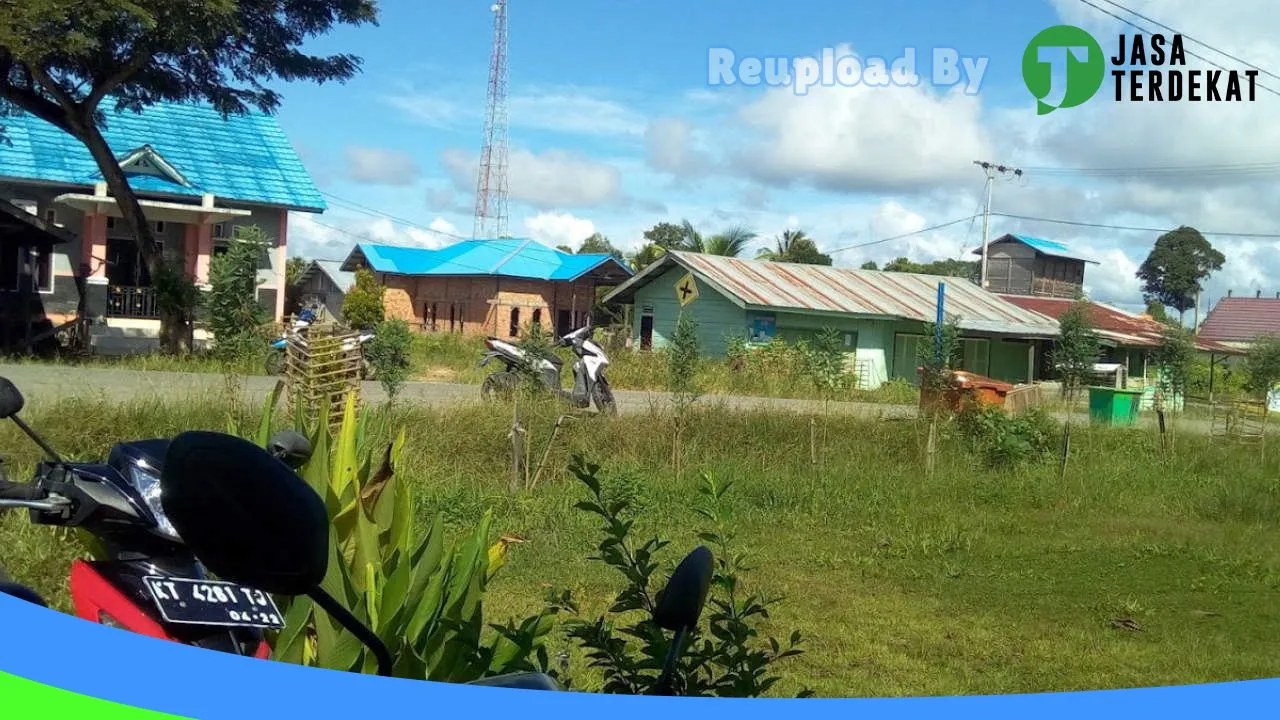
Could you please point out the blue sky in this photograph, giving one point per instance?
(614, 128)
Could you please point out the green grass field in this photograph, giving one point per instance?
(1136, 569)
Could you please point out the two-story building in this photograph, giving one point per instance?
(201, 179)
(1021, 265)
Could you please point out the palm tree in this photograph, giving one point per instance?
(730, 243)
(646, 256)
(784, 244)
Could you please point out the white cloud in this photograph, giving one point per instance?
(576, 112)
(669, 144)
(441, 225)
(380, 166)
(862, 139)
(331, 237)
(559, 229)
(548, 180)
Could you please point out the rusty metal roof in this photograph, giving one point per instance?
(1115, 325)
(845, 291)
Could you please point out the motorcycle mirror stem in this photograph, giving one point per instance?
(11, 403)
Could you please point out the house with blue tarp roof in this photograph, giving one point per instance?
(201, 180)
(1022, 265)
(488, 287)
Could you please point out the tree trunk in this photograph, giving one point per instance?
(175, 323)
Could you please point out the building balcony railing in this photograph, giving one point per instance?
(1055, 288)
(137, 303)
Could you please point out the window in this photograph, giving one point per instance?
(219, 231)
(51, 217)
(537, 319)
(515, 322)
(429, 316)
(977, 356)
(158, 226)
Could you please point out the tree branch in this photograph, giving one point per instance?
(41, 107)
(65, 101)
(126, 71)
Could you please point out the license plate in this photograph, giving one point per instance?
(212, 602)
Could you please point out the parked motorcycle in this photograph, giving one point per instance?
(144, 578)
(306, 318)
(212, 482)
(589, 382)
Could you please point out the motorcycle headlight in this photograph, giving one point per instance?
(147, 483)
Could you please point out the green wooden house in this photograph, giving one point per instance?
(882, 316)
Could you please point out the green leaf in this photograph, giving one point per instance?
(289, 644)
(344, 454)
(336, 649)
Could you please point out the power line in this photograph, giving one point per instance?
(1224, 53)
(905, 235)
(1127, 228)
(1192, 53)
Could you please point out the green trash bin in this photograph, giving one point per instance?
(1113, 406)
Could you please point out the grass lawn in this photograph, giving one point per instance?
(1134, 570)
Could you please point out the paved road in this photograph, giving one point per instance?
(45, 383)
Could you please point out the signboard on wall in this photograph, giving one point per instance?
(686, 289)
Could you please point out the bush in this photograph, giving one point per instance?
(1005, 440)
(423, 598)
(235, 317)
(727, 658)
(389, 355)
(363, 307)
(683, 354)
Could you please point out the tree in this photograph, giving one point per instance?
(389, 354)
(794, 246)
(235, 317)
(869, 265)
(665, 235)
(293, 270)
(1174, 358)
(730, 243)
(1076, 349)
(60, 60)
(363, 305)
(1179, 262)
(598, 244)
(944, 268)
(646, 256)
(1158, 312)
(1262, 365)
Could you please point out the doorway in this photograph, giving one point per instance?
(646, 332)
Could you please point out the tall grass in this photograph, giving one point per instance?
(973, 581)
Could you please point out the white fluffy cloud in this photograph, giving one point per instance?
(331, 237)
(671, 147)
(547, 180)
(862, 139)
(555, 229)
(380, 166)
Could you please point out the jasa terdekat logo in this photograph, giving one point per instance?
(1064, 66)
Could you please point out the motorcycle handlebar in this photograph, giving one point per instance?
(10, 490)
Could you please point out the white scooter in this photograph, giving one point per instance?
(589, 382)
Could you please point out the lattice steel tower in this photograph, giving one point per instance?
(491, 186)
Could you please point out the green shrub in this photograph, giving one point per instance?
(235, 317)
(423, 598)
(362, 306)
(728, 657)
(389, 354)
(1005, 440)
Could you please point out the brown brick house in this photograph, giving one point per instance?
(488, 287)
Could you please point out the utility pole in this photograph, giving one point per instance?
(991, 169)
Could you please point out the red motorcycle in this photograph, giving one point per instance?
(143, 578)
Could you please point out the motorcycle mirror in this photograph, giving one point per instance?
(247, 516)
(11, 400)
(680, 602)
(290, 447)
(22, 592)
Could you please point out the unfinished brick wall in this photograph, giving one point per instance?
(484, 305)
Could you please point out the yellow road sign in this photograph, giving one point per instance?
(687, 290)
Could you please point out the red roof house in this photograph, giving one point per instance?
(1238, 321)
(1121, 329)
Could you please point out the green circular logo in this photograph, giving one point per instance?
(1063, 67)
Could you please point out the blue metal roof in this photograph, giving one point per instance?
(504, 258)
(245, 158)
(1047, 247)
